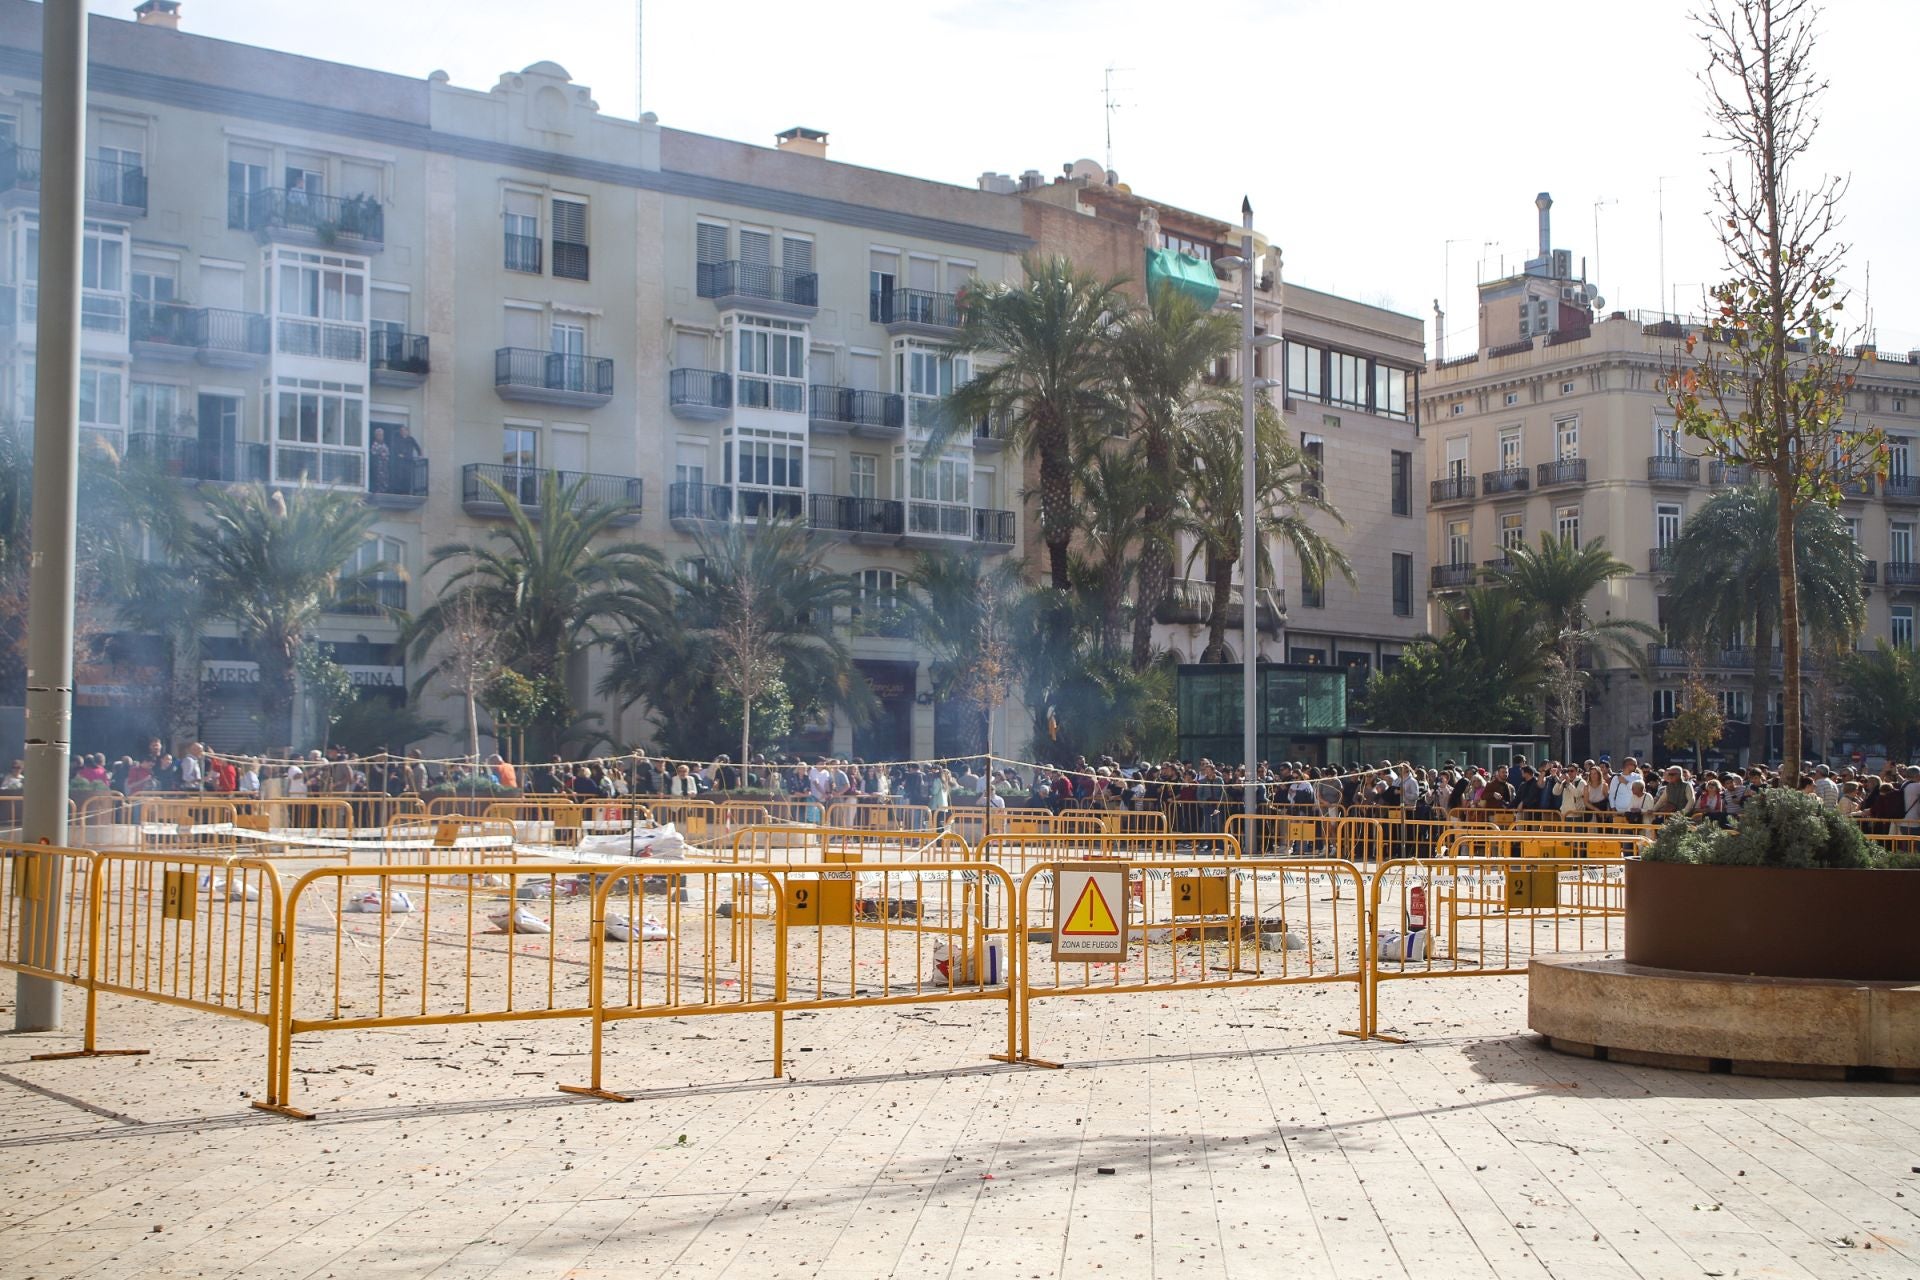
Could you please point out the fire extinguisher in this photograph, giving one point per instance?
(1416, 909)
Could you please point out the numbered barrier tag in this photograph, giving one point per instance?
(1199, 896)
(178, 893)
(820, 903)
(1529, 890)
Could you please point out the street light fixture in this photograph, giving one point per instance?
(1250, 342)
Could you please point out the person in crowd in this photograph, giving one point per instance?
(1676, 796)
(684, 785)
(379, 466)
(645, 777)
(1711, 804)
(193, 768)
(940, 797)
(1825, 788)
(1621, 791)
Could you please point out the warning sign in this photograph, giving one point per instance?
(1090, 911)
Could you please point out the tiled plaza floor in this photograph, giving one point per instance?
(1198, 1134)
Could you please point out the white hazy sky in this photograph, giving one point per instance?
(1368, 135)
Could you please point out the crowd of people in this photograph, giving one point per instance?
(1196, 797)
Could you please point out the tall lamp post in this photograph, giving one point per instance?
(1247, 264)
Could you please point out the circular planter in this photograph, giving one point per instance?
(1773, 921)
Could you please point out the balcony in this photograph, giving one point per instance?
(1855, 490)
(380, 596)
(1901, 490)
(401, 485)
(524, 485)
(857, 412)
(690, 505)
(320, 339)
(1869, 572)
(552, 377)
(1729, 474)
(1189, 602)
(9, 307)
(1672, 469)
(1901, 575)
(1560, 473)
(907, 311)
(173, 331)
(703, 395)
(570, 260)
(884, 619)
(760, 287)
(1508, 480)
(990, 434)
(397, 359)
(1660, 560)
(779, 394)
(355, 224)
(522, 253)
(1450, 489)
(1452, 577)
(188, 457)
(1499, 564)
(993, 529)
(1666, 655)
(856, 519)
(113, 190)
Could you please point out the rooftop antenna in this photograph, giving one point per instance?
(639, 60)
(1111, 107)
(1604, 200)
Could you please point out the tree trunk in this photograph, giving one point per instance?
(1056, 511)
(1758, 691)
(1155, 574)
(473, 726)
(1789, 633)
(746, 736)
(276, 696)
(1220, 578)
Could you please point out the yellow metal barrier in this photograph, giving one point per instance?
(1117, 822)
(188, 826)
(1196, 923)
(437, 840)
(974, 824)
(735, 814)
(905, 933)
(793, 844)
(697, 820)
(1306, 835)
(31, 907)
(880, 816)
(412, 946)
(1021, 853)
(1459, 917)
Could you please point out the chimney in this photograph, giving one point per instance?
(802, 141)
(1544, 202)
(159, 13)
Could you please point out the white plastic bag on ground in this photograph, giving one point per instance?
(1408, 947)
(398, 902)
(1282, 940)
(620, 929)
(234, 890)
(518, 920)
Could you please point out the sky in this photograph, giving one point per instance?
(1391, 149)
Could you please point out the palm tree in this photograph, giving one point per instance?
(1726, 581)
(1118, 485)
(1165, 354)
(756, 607)
(1210, 509)
(977, 623)
(1880, 696)
(550, 587)
(1554, 581)
(1054, 380)
(272, 563)
(1482, 672)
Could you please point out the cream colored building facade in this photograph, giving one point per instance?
(1565, 429)
(287, 258)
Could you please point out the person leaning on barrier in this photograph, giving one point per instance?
(1676, 796)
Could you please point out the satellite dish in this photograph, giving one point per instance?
(1598, 302)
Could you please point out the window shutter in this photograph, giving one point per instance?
(710, 242)
(570, 221)
(756, 247)
(796, 255)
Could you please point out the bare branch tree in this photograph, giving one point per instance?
(747, 656)
(468, 653)
(1766, 383)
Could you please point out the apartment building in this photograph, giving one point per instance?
(305, 272)
(1557, 423)
(1347, 381)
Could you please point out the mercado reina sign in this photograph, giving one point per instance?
(229, 674)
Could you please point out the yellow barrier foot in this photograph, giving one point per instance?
(1017, 1060)
(282, 1109)
(89, 1053)
(588, 1091)
(1378, 1035)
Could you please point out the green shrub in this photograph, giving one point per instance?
(1681, 841)
(1780, 828)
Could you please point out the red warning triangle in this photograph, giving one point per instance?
(1090, 917)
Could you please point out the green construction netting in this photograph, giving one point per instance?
(1192, 276)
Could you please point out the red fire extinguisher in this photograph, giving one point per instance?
(1416, 908)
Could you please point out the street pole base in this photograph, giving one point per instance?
(1020, 1060)
(592, 1091)
(282, 1109)
(88, 1053)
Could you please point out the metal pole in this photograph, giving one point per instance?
(1249, 534)
(56, 448)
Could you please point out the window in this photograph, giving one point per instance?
(1901, 629)
(879, 592)
(320, 306)
(1566, 438)
(103, 264)
(690, 463)
(1566, 388)
(1900, 542)
(101, 394)
(710, 242)
(1402, 585)
(155, 279)
(1513, 530)
(796, 255)
(569, 239)
(1735, 704)
(1899, 406)
(863, 475)
(522, 228)
(1510, 459)
(155, 407)
(1313, 450)
(928, 375)
(1665, 703)
(1666, 523)
(1313, 595)
(319, 433)
(246, 177)
(1304, 370)
(1347, 379)
(1853, 529)
(1457, 409)
(389, 555)
(768, 469)
(1566, 523)
(771, 364)
(1666, 436)
(1402, 482)
(520, 446)
(883, 269)
(1457, 457)
(1899, 457)
(1459, 542)
(1181, 244)
(936, 490)
(756, 247)
(1512, 399)
(1390, 391)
